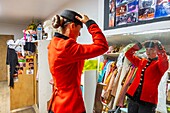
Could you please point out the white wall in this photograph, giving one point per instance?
(12, 29)
(88, 7)
(44, 76)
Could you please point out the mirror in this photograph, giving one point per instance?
(125, 39)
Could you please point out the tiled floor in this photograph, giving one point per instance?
(5, 101)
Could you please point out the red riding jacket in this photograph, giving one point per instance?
(152, 74)
(66, 60)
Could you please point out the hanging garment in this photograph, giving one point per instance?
(114, 85)
(161, 106)
(29, 46)
(106, 77)
(125, 69)
(12, 61)
(121, 98)
(103, 72)
(106, 88)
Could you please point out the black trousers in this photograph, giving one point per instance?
(135, 107)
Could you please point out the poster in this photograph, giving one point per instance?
(111, 13)
(121, 2)
(146, 9)
(121, 17)
(124, 13)
(132, 15)
(30, 65)
(162, 8)
(127, 13)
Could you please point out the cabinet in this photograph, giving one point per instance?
(23, 93)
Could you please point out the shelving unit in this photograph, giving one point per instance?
(111, 56)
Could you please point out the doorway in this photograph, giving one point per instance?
(3, 48)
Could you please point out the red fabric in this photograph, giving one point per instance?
(152, 75)
(66, 61)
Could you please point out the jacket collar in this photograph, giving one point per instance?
(58, 35)
(153, 59)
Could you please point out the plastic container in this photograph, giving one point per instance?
(39, 32)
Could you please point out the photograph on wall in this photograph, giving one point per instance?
(146, 9)
(134, 12)
(111, 13)
(121, 2)
(133, 6)
(121, 16)
(29, 71)
(132, 16)
(121, 20)
(162, 8)
(22, 64)
(29, 59)
(31, 65)
(20, 70)
(121, 10)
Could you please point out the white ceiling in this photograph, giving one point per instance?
(23, 11)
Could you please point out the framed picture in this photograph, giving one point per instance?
(125, 13)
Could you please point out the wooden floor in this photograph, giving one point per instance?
(5, 101)
(24, 110)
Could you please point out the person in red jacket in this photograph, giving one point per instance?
(66, 60)
(143, 92)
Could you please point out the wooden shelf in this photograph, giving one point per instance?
(168, 81)
(111, 55)
(103, 84)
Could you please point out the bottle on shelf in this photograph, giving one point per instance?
(39, 32)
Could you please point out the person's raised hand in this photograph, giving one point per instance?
(84, 18)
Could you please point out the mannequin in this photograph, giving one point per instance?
(48, 29)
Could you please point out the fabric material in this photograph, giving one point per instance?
(12, 61)
(66, 61)
(103, 72)
(124, 71)
(29, 46)
(161, 106)
(125, 86)
(149, 91)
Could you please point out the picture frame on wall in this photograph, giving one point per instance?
(124, 13)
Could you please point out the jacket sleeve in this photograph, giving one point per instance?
(162, 59)
(130, 54)
(85, 51)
